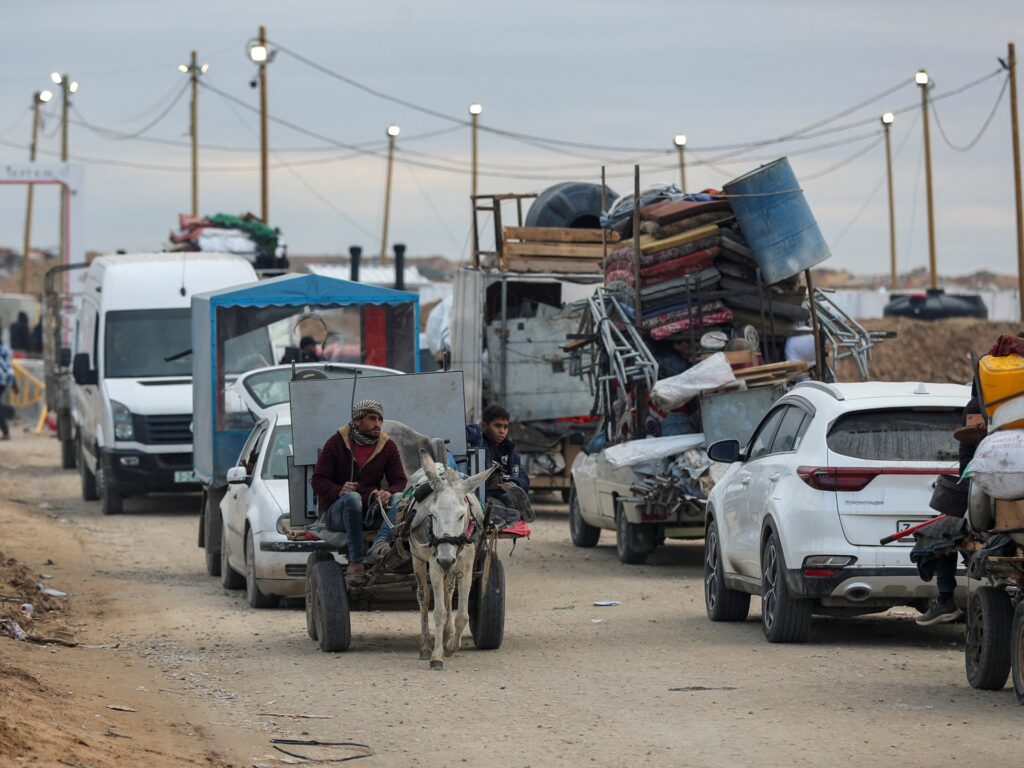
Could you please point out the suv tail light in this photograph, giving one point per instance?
(826, 565)
(853, 479)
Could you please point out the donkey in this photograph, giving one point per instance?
(443, 541)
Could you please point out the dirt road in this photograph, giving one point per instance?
(649, 682)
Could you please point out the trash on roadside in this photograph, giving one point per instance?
(10, 628)
(55, 637)
(50, 591)
(606, 603)
(597, 621)
(120, 708)
(26, 609)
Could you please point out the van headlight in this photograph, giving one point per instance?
(123, 429)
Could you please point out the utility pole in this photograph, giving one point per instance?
(261, 56)
(67, 87)
(680, 142)
(887, 120)
(922, 80)
(393, 131)
(474, 118)
(1011, 64)
(40, 97)
(193, 69)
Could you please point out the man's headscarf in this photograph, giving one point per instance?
(359, 410)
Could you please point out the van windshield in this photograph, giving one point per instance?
(137, 341)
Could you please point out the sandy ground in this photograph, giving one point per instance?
(650, 682)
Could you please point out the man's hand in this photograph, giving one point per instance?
(383, 497)
(349, 487)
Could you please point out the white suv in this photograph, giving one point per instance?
(829, 471)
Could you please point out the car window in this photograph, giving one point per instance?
(251, 449)
(790, 430)
(763, 437)
(897, 434)
(275, 465)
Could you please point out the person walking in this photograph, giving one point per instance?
(7, 379)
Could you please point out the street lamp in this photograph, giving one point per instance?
(393, 131)
(680, 142)
(193, 69)
(261, 55)
(924, 83)
(67, 87)
(475, 111)
(39, 97)
(887, 121)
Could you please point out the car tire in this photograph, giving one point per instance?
(784, 618)
(330, 608)
(68, 453)
(111, 502)
(633, 542)
(583, 534)
(229, 577)
(565, 493)
(487, 607)
(722, 603)
(87, 477)
(255, 596)
(312, 560)
(987, 641)
(212, 527)
(1017, 652)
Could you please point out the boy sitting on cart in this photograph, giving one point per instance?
(358, 478)
(508, 487)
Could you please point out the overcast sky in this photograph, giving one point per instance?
(598, 72)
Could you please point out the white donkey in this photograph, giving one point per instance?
(443, 541)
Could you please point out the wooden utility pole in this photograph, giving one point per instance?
(923, 81)
(37, 99)
(680, 142)
(193, 69)
(474, 119)
(1011, 64)
(264, 182)
(393, 131)
(887, 120)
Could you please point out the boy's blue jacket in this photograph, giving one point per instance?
(505, 454)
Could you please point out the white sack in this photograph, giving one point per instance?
(650, 448)
(676, 391)
(235, 241)
(998, 465)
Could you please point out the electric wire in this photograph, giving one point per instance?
(844, 162)
(984, 126)
(120, 135)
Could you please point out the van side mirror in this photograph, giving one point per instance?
(64, 357)
(726, 451)
(82, 373)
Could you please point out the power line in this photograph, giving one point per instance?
(844, 162)
(109, 133)
(984, 126)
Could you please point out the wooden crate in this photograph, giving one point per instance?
(553, 249)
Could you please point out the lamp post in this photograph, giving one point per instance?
(887, 120)
(40, 97)
(680, 142)
(922, 80)
(194, 70)
(393, 131)
(67, 87)
(474, 117)
(261, 56)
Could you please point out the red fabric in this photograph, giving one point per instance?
(519, 529)
(684, 265)
(362, 453)
(375, 336)
(1007, 345)
(334, 468)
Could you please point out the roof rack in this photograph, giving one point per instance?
(827, 388)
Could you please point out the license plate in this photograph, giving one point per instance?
(902, 525)
(188, 476)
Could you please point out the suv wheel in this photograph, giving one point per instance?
(722, 603)
(784, 618)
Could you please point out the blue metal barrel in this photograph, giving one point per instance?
(776, 221)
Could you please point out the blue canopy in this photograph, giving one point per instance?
(298, 290)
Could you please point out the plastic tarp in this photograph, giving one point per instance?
(676, 391)
(230, 336)
(650, 449)
(998, 465)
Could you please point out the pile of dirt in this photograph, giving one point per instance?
(923, 350)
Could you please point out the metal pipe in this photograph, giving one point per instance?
(504, 338)
(355, 255)
(399, 267)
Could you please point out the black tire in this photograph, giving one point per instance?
(68, 453)
(212, 524)
(330, 608)
(312, 560)
(1017, 652)
(784, 618)
(583, 534)
(229, 577)
(990, 619)
(487, 608)
(88, 478)
(633, 542)
(255, 596)
(111, 502)
(722, 603)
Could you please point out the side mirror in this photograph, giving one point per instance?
(726, 451)
(237, 475)
(82, 373)
(64, 357)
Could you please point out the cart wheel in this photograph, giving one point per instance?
(487, 609)
(312, 560)
(330, 608)
(632, 542)
(990, 618)
(583, 534)
(1017, 652)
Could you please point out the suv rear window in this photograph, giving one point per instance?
(897, 434)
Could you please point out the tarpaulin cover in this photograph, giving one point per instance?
(676, 391)
(650, 449)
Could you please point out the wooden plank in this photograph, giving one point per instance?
(683, 238)
(781, 368)
(568, 266)
(560, 250)
(558, 235)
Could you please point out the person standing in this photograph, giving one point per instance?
(7, 379)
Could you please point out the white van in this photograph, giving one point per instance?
(133, 371)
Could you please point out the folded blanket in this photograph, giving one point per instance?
(691, 262)
(779, 309)
(649, 259)
(717, 317)
(691, 282)
(734, 243)
(656, 319)
(670, 211)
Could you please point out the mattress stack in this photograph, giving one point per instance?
(696, 273)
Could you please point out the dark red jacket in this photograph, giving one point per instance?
(334, 468)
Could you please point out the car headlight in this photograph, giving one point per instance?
(123, 428)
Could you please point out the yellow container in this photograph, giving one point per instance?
(1002, 386)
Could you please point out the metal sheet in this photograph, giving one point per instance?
(733, 415)
(431, 403)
